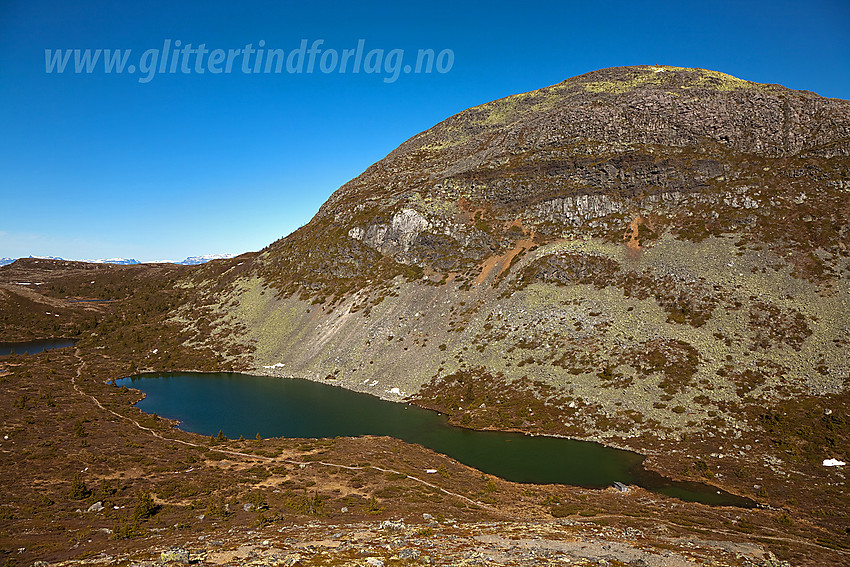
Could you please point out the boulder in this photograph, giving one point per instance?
(174, 555)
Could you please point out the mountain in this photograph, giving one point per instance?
(190, 261)
(195, 260)
(117, 261)
(7, 261)
(641, 254)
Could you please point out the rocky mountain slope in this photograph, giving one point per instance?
(661, 246)
(646, 253)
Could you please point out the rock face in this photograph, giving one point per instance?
(576, 210)
(403, 229)
(662, 248)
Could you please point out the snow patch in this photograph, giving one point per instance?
(833, 463)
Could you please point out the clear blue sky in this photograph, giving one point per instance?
(101, 165)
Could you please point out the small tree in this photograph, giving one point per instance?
(80, 428)
(374, 507)
(79, 490)
(315, 504)
(145, 506)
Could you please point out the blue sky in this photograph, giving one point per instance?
(102, 165)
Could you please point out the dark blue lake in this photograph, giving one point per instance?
(241, 404)
(33, 347)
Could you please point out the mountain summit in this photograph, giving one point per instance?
(701, 152)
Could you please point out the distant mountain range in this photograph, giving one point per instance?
(194, 260)
(190, 261)
(119, 261)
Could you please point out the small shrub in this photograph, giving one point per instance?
(218, 509)
(80, 429)
(264, 520)
(704, 469)
(79, 490)
(128, 530)
(374, 507)
(145, 506)
(258, 500)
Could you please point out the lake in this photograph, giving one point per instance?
(242, 404)
(34, 347)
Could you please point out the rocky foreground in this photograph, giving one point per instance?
(393, 542)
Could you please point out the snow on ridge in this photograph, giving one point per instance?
(195, 260)
(190, 261)
(120, 261)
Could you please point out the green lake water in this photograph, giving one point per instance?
(241, 404)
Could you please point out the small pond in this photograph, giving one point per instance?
(34, 347)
